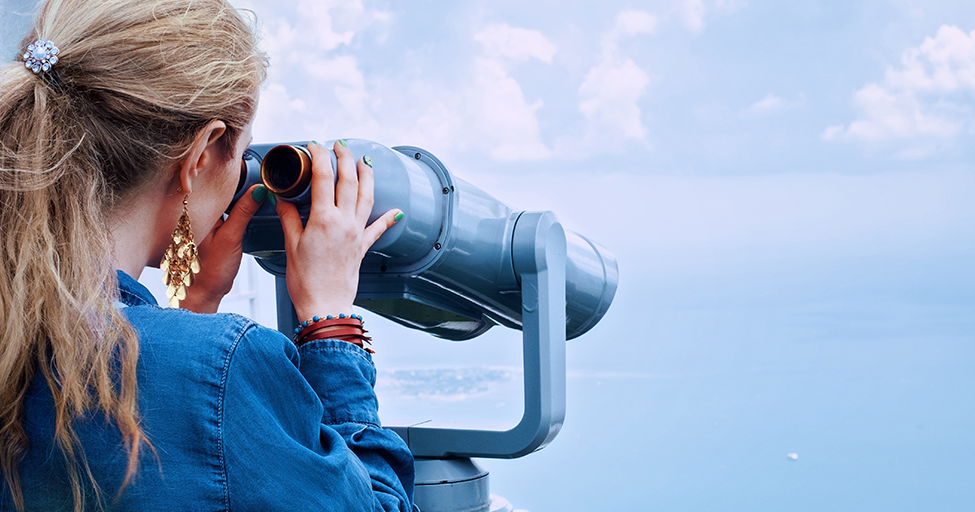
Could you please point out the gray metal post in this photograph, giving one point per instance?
(539, 254)
(445, 484)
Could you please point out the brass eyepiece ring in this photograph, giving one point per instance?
(286, 170)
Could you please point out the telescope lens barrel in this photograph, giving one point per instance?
(447, 267)
(286, 170)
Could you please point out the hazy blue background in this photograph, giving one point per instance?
(787, 186)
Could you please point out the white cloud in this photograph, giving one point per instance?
(317, 26)
(768, 103)
(894, 114)
(488, 112)
(944, 64)
(609, 95)
(631, 23)
(929, 97)
(832, 132)
(342, 73)
(479, 106)
(730, 6)
(307, 43)
(515, 43)
(691, 13)
(505, 120)
(276, 112)
(485, 111)
(319, 16)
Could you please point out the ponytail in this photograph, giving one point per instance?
(134, 82)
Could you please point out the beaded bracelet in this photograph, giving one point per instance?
(345, 328)
(316, 323)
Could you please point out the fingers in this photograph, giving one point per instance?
(365, 199)
(322, 176)
(345, 191)
(290, 224)
(351, 198)
(379, 226)
(233, 228)
(347, 188)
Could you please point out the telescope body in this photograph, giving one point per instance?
(448, 266)
(458, 263)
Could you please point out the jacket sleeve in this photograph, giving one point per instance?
(302, 432)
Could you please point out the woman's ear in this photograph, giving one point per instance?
(204, 152)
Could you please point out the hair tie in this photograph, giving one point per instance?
(40, 56)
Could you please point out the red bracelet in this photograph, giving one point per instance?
(346, 328)
(352, 336)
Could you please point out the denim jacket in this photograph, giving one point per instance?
(238, 419)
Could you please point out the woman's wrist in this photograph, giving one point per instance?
(341, 327)
(323, 309)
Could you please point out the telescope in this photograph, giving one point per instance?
(458, 263)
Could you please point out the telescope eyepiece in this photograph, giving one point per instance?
(243, 174)
(286, 170)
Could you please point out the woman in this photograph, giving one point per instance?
(122, 127)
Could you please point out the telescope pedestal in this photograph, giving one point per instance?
(455, 485)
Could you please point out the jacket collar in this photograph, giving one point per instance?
(132, 293)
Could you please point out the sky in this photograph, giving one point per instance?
(786, 186)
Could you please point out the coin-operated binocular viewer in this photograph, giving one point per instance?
(458, 263)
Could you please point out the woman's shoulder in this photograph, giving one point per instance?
(173, 323)
(182, 328)
(185, 371)
(179, 344)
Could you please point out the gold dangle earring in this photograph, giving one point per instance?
(180, 263)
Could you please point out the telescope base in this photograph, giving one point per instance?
(455, 485)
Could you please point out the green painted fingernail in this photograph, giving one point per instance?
(315, 142)
(367, 160)
(398, 216)
(260, 193)
(342, 142)
(273, 198)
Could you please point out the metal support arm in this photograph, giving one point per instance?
(539, 253)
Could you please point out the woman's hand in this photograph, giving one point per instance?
(220, 252)
(324, 256)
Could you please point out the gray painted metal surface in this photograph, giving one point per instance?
(447, 268)
(451, 485)
(484, 257)
(539, 251)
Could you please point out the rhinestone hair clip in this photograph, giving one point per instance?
(41, 56)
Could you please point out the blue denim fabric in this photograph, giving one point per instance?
(239, 419)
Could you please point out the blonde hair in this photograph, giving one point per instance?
(136, 81)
